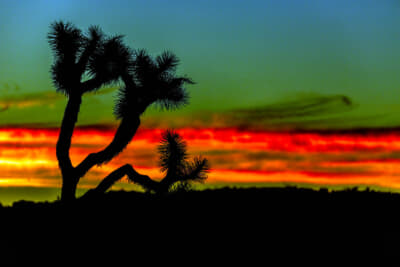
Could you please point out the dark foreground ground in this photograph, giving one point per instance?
(225, 226)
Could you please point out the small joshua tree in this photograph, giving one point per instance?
(179, 171)
(86, 62)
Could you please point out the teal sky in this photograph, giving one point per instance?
(242, 54)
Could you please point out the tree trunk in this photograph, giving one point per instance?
(70, 180)
(70, 175)
(68, 189)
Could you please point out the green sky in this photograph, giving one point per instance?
(242, 54)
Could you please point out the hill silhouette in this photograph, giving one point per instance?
(232, 224)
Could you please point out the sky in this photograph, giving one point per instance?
(273, 79)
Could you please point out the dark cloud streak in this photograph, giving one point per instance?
(302, 107)
(307, 111)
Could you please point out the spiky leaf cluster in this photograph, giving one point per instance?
(93, 56)
(66, 42)
(173, 153)
(196, 170)
(111, 61)
(154, 81)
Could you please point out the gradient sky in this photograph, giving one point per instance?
(240, 53)
(274, 58)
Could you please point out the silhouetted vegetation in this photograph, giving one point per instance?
(84, 63)
(179, 172)
(225, 225)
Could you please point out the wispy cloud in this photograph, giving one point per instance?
(28, 100)
(12, 96)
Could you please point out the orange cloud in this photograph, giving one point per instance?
(27, 156)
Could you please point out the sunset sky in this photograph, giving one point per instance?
(288, 92)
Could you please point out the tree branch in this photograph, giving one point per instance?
(116, 175)
(124, 134)
(90, 85)
(142, 180)
(92, 42)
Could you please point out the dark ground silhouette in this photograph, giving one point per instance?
(227, 225)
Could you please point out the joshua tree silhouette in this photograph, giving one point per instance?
(86, 62)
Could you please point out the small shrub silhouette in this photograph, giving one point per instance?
(85, 62)
(179, 171)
